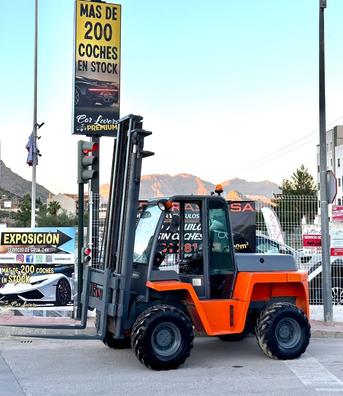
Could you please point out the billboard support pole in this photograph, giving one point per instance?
(79, 249)
(324, 217)
(95, 199)
(34, 162)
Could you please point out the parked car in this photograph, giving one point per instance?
(89, 92)
(315, 278)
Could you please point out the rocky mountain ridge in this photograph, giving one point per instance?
(13, 184)
(157, 185)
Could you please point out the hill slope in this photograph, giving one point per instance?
(17, 185)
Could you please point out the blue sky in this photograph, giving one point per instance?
(229, 88)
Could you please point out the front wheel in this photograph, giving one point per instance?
(162, 337)
(283, 331)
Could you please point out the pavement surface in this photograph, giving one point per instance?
(321, 329)
(41, 367)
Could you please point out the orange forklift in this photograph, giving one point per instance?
(154, 295)
(152, 292)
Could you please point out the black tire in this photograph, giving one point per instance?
(63, 292)
(162, 337)
(111, 342)
(124, 343)
(283, 331)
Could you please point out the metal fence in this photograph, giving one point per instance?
(299, 215)
(296, 214)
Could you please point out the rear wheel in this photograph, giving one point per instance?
(162, 337)
(63, 292)
(283, 331)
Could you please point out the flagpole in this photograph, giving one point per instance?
(34, 132)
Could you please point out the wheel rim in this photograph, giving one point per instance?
(63, 292)
(166, 339)
(288, 333)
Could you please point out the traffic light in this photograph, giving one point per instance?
(86, 255)
(87, 153)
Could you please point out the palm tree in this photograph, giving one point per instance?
(53, 208)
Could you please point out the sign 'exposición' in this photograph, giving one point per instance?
(97, 68)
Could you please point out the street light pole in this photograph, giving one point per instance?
(326, 272)
(34, 133)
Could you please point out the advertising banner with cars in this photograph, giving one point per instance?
(97, 68)
(35, 262)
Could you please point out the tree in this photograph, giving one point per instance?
(63, 219)
(23, 216)
(301, 183)
(297, 201)
(47, 216)
(53, 208)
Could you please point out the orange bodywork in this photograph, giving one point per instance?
(228, 316)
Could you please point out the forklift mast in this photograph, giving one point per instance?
(109, 284)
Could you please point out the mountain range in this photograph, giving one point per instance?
(157, 185)
(154, 185)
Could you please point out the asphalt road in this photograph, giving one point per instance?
(31, 366)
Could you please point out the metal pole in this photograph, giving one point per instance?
(326, 272)
(33, 193)
(95, 196)
(79, 250)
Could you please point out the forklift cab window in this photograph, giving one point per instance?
(168, 255)
(221, 255)
(145, 232)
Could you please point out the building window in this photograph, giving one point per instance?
(318, 168)
(339, 182)
(318, 186)
(339, 201)
(338, 162)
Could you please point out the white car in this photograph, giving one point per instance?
(50, 288)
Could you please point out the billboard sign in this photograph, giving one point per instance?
(28, 252)
(96, 68)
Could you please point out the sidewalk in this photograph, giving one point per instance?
(319, 328)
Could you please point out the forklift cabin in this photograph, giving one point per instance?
(201, 252)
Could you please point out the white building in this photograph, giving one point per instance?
(67, 202)
(334, 158)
